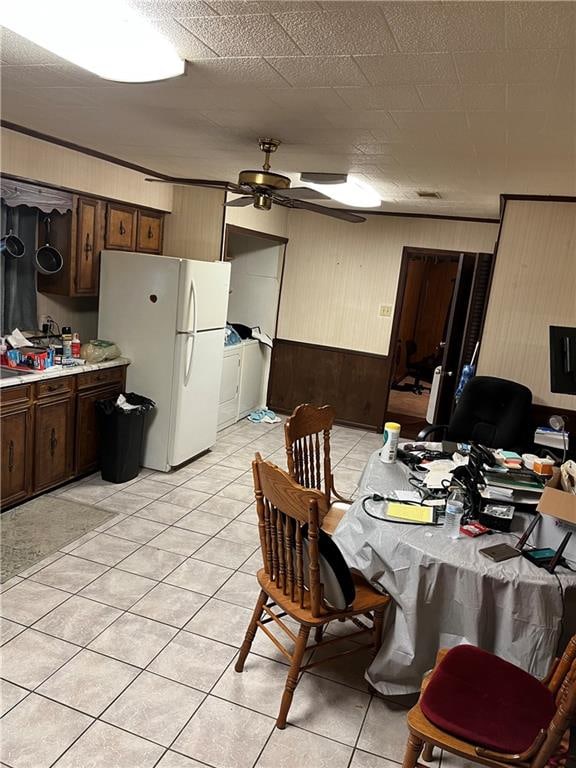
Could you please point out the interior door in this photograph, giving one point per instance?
(452, 343)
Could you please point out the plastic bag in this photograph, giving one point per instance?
(231, 336)
(98, 350)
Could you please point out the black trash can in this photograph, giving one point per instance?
(121, 436)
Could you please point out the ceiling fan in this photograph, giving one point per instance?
(264, 188)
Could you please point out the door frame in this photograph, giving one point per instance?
(408, 251)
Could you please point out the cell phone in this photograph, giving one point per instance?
(500, 552)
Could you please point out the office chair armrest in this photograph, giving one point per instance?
(423, 434)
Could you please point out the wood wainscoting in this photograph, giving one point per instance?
(353, 382)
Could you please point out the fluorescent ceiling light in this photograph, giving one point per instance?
(107, 37)
(353, 192)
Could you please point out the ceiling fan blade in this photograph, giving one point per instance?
(240, 202)
(336, 213)
(209, 183)
(303, 193)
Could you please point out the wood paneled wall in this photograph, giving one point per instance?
(274, 222)
(533, 287)
(194, 228)
(337, 275)
(350, 381)
(39, 160)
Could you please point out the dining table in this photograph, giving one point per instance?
(445, 592)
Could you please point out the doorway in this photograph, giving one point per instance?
(440, 308)
(256, 270)
(430, 280)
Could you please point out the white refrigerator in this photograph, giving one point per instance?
(168, 316)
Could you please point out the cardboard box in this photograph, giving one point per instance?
(556, 502)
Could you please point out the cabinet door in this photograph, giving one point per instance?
(149, 238)
(87, 432)
(120, 227)
(16, 455)
(88, 245)
(53, 445)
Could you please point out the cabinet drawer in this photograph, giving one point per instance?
(99, 378)
(149, 237)
(55, 387)
(13, 396)
(120, 227)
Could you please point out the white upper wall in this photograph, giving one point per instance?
(337, 275)
(533, 287)
(43, 161)
(274, 222)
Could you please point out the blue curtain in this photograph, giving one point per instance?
(18, 276)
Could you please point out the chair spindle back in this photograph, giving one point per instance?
(307, 436)
(283, 508)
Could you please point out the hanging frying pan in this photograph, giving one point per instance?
(12, 246)
(48, 260)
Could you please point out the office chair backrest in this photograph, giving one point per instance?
(494, 412)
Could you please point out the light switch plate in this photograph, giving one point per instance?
(385, 310)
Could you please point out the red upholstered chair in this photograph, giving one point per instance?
(489, 711)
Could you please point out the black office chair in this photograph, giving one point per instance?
(493, 412)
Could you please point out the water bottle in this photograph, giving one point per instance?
(453, 514)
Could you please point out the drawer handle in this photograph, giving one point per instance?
(11, 456)
(122, 228)
(87, 245)
(150, 233)
(52, 387)
(53, 442)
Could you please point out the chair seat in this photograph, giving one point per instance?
(367, 599)
(332, 518)
(487, 701)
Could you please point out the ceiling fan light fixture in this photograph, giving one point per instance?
(114, 42)
(262, 201)
(354, 193)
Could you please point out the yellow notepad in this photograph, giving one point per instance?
(410, 512)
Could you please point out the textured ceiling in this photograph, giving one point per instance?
(470, 99)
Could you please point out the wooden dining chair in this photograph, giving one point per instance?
(486, 710)
(307, 437)
(304, 577)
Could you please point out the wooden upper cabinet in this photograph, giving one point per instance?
(88, 246)
(120, 227)
(150, 230)
(79, 236)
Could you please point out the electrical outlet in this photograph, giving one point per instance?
(385, 310)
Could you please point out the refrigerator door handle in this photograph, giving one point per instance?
(188, 367)
(192, 304)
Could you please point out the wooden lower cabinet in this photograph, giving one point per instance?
(87, 433)
(53, 442)
(49, 431)
(16, 437)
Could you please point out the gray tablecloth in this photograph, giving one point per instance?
(446, 593)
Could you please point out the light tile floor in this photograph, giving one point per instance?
(119, 651)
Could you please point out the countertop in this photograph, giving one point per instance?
(58, 370)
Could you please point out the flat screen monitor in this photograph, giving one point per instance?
(563, 360)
